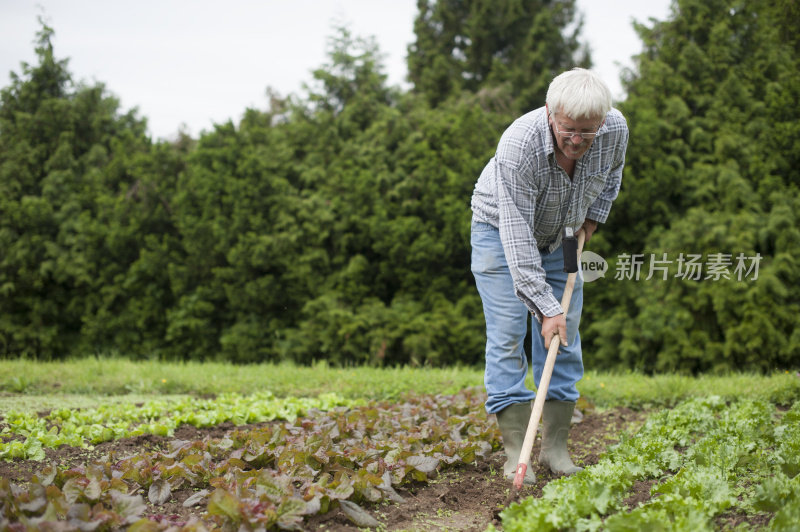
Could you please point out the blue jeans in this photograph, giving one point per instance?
(507, 322)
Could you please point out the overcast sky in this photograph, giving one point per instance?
(200, 62)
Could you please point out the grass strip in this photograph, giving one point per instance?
(117, 376)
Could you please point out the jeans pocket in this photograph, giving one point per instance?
(487, 249)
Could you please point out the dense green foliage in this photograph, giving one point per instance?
(712, 170)
(335, 224)
(510, 46)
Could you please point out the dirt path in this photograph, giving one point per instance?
(464, 498)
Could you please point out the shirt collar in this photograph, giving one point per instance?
(544, 124)
(604, 127)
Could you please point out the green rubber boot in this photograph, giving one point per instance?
(556, 419)
(513, 421)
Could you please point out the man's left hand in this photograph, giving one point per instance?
(589, 227)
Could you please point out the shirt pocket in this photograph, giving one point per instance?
(595, 184)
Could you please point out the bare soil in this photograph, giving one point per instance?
(464, 498)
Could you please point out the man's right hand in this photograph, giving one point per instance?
(552, 326)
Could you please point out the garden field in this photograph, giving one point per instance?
(112, 444)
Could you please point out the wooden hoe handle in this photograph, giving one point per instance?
(544, 383)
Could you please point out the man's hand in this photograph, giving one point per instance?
(589, 227)
(553, 325)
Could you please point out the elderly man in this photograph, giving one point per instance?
(557, 167)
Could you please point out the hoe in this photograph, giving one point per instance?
(572, 253)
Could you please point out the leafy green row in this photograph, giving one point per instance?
(81, 428)
(704, 458)
(265, 478)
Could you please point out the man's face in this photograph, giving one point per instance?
(570, 134)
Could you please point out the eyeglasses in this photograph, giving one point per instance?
(570, 134)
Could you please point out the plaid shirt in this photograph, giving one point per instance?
(523, 192)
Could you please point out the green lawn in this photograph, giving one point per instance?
(28, 385)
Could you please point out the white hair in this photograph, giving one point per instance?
(579, 94)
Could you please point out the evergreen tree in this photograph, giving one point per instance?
(712, 170)
(520, 45)
(58, 174)
(374, 219)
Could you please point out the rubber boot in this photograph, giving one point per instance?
(556, 418)
(513, 421)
